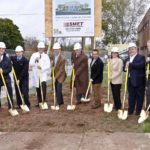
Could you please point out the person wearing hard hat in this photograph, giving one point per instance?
(59, 71)
(39, 64)
(116, 75)
(80, 63)
(5, 69)
(148, 73)
(21, 67)
(136, 79)
(96, 67)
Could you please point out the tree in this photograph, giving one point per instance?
(31, 43)
(10, 34)
(121, 18)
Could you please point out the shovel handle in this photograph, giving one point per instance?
(53, 78)
(41, 89)
(108, 77)
(13, 70)
(125, 88)
(73, 79)
(89, 85)
(6, 90)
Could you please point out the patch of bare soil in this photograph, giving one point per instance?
(82, 119)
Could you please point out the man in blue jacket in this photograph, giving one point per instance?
(5, 69)
(136, 79)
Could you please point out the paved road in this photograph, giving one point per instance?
(75, 141)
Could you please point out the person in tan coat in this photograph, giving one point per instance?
(59, 71)
(80, 62)
(116, 72)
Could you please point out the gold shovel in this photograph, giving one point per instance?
(12, 111)
(72, 107)
(54, 107)
(43, 105)
(145, 113)
(122, 113)
(108, 107)
(24, 107)
(86, 95)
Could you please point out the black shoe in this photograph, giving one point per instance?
(17, 107)
(130, 113)
(60, 104)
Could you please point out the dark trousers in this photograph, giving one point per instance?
(116, 91)
(136, 97)
(24, 87)
(38, 91)
(59, 96)
(9, 88)
(148, 92)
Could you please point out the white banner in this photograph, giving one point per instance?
(73, 18)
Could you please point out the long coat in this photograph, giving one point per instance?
(116, 71)
(60, 73)
(81, 73)
(44, 63)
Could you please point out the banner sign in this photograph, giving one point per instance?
(73, 18)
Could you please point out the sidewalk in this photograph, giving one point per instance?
(75, 141)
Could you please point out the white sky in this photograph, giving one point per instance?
(28, 15)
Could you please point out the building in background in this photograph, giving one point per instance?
(144, 31)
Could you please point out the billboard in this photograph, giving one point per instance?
(73, 18)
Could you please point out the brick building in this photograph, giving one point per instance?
(144, 31)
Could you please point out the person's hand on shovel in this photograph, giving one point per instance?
(127, 65)
(1, 70)
(18, 82)
(148, 59)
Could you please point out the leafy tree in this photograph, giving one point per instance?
(121, 18)
(10, 34)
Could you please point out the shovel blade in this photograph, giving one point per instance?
(43, 106)
(143, 116)
(85, 99)
(71, 107)
(55, 107)
(25, 108)
(123, 115)
(108, 107)
(13, 112)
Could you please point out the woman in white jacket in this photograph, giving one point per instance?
(116, 72)
(40, 61)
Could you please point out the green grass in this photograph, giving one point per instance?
(146, 126)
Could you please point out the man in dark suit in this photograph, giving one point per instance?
(5, 69)
(96, 78)
(136, 79)
(148, 73)
(21, 66)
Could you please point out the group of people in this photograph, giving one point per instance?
(41, 67)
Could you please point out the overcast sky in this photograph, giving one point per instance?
(28, 15)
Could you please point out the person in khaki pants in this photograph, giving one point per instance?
(96, 78)
(59, 71)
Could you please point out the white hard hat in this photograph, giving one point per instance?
(56, 46)
(115, 50)
(2, 45)
(131, 45)
(41, 45)
(77, 46)
(19, 49)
